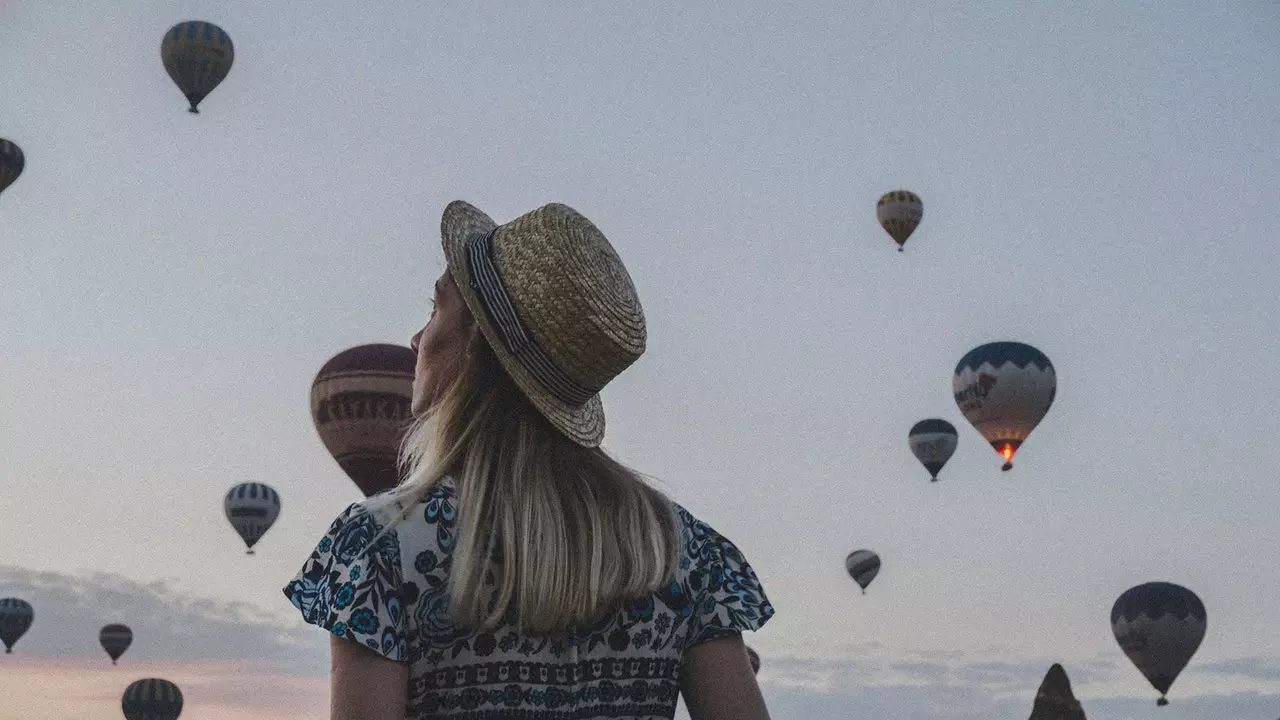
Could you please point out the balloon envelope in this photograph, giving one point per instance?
(252, 508)
(115, 640)
(152, 699)
(360, 402)
(12, 161)
(1159, 626)
(15, 617)
(197, 55)
(1004, 389)
(899, 213)
(862, 566)
(933, 442)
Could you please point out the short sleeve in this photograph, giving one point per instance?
(732, 599)
(353, 590)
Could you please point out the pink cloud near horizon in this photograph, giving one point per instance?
(38, 688)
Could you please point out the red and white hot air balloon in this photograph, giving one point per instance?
(360, 402)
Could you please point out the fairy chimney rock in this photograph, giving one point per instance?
(1054, 701)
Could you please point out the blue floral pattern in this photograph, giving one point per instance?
(393, 598)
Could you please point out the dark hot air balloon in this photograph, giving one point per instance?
(1004, 389)
(198, 56)
(862, 566)
(12, 161)
(754, 658)
(1159, 626)
(115, 640)
(899, 213)
(152, 699)
(15, 617)
(252, 508)
(933, 442)
(360, 402)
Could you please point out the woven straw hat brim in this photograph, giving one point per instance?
(461, 222)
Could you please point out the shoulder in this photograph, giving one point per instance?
(701, 541)
(723, 593)
(387, 508)
(380, 509)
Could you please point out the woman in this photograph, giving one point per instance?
(519, 571)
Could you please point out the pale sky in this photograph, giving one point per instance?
(1100, 180)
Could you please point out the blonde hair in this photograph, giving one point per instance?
(560, 533)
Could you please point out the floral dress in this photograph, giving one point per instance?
(394, 599)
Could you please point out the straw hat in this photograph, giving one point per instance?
(554, 301)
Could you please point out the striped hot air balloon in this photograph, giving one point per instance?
(933, 442)
(1159, 626)
(12, 161)
(360, 402)
(152, 699)
(252, 508)
(1004, 389)
(862, 566)
(899, 213)
(115, 639)
(198, 56)
(16, 615)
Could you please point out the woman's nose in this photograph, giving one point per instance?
(414, 341)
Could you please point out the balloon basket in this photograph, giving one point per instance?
(193, 111)
(1007, 467)
(248, 552)
(1162, 702)
(113, 662)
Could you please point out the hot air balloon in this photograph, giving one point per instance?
(360, 402)
(1004, 389)
(152, 699)
(11, 163)
(862, 566)
(933, 442)
(899, 213)
(754, 658)
(252, 508)
(115, 640)
(198, 56)
(15, 617)
(1159, 625)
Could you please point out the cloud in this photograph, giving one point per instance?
(1233, 705)
(944, 700)
(236, 660)
(49, 688)
(1252, 668)
(167, 624)
(996, 678)
(972, 685)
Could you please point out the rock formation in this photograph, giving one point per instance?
(1055, 701)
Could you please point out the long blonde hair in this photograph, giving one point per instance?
(564, 533)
